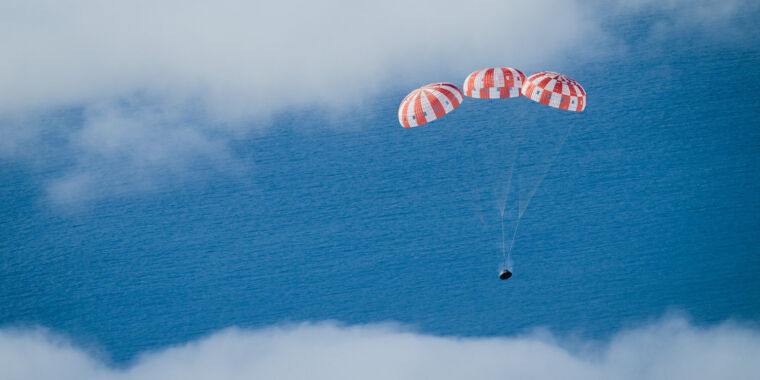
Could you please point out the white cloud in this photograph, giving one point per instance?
(162, 84)
(165, 83)
(669, 349)
(239, 59)
(242, 58)
(120, 149)
(723, 21)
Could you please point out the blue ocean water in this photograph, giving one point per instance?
(652, 205)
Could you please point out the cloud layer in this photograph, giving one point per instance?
(668, 349)
(238, 59)
(161, 85)
(241, 58)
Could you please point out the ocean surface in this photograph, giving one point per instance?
(652, 206)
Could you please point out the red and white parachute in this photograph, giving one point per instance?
(555, 90)
(428, 103)
(494, 83)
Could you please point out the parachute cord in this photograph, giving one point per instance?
(546, 171)
(508, 262)
(504, 254)
(523, 208)
(503, 245)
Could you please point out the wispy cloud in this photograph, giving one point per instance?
(124, 148)
(731, 22)
(162, 84)
(669, 349)
(165, 83)
(242, 58)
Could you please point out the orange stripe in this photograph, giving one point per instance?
(520, 74)
(470, 83)
(488, 78)
(404, 113)
(529, 90)
(545, 97)
(508, 82)
(450, 95)
(542, 84)
(572, 90)
(558, 87)
(564, 102)
(436, 104)
(419, 114)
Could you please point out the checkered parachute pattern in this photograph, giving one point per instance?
(555, 90)
(494, 83)
(428, 103)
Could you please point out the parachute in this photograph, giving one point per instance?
(494, 83)
(555, 90)
(428, 103)
(497, 83)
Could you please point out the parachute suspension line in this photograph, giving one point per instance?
(523, 208)
(505, 254)
(501, 212)
(508, 262)
(503, 244)
(508, 259)
(543, 176)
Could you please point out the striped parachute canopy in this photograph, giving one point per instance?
(494, 83)
(428, 103)
(555, 90)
